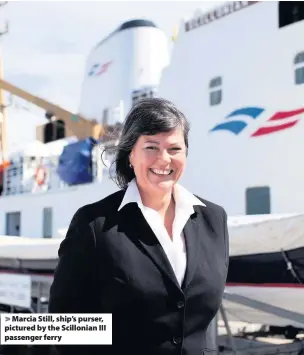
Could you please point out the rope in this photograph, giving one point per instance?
(290, 267)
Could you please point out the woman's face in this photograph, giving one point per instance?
(159, 160)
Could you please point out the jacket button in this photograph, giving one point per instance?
(180, 304)
(177, 340)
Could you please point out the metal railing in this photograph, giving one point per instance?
(21, 176)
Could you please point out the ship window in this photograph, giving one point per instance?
(290, 12)
(299, 68)
(105, 117)
(142, 94)
(215, 91)
(258, 200)
(47, 228)
(54, 130)
(13, 222)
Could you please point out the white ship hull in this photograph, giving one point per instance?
(247, 68)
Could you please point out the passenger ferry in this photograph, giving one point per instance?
(237, 72)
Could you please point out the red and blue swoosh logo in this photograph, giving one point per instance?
(99, 69)
(278, 120)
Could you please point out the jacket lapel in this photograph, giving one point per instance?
(139, 229)
(192, 232)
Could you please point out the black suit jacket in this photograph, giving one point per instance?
(111, 262)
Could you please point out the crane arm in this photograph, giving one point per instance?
(74, 122)
(44, 104)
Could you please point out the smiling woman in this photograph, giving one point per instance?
(153, 148)
(150, 126)
(158, 164)
(152, 254)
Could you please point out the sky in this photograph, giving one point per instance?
(48, 43)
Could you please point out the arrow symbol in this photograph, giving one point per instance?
(7, 318)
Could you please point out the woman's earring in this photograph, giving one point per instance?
(130, 166)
